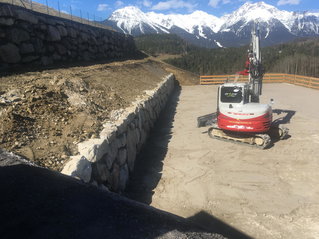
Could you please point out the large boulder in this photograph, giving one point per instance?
(26, 48)
(6, 21)
(53, 34)
(9, 53)
(79, 167)
(19, 35)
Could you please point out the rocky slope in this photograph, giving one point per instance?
(44, 114)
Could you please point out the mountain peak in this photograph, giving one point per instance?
(127, 12)
(258, 12)
(260, 4)
(199, 26)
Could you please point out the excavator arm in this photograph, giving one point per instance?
(256, 70)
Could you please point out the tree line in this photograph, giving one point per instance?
(299, 57)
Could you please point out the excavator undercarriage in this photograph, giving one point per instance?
(262, 141)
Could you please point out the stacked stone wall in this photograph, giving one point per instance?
(32, 38)
(109, 159)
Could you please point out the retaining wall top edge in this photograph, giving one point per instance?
(138, 102)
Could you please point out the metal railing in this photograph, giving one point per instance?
(306, 81)
(52, 8)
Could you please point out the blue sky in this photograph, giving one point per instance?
(101, 9)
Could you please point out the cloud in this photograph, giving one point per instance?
(147, 3)
(102, 7)
(174, 4)
(215, 3)
(119, 4)
(286, 2)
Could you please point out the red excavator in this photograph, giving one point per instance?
(240, 116)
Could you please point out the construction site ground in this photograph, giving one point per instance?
(243, 191)
(249, 192)
(45, 113)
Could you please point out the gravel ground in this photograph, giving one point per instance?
(270, 193)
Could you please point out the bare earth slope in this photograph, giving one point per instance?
(45, 114)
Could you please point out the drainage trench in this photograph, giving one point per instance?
(149, 162)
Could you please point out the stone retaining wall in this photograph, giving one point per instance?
(28, 37)
(110, 159)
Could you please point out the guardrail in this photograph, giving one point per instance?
(306, 81)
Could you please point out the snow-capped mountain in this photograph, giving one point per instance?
(132, 20)
(233, 29)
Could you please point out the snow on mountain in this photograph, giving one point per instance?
(189, 22)
(131, 18)
(257, 12)
(232, 29)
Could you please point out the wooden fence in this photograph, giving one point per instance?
(306, 81)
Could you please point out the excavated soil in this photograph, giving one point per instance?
(44, 114)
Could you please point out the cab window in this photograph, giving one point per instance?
(230, 94)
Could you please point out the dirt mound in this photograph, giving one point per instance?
(45, 114)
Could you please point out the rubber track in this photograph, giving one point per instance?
(265, 137)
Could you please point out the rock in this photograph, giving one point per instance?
(38, 45)
(108, 160)
(71, 32)
(109, 132)
(84, 36)
(19, 35)
(53, 34)
(115, 177)
(6, 21)
(103, 188)
(95, 149)
(42, 27)
(56, 57)
(2, 33)
(86, 55)
(61, 49)
(62, 30)
(131, 149)
(124, 176)
(122, 156)
(122, 140)
(45, 60)
(26, 48)
(5, 11)
(101, 172)
(10, 96)
(27, 16)
(28, 59)
(78, 167)
(9, 53)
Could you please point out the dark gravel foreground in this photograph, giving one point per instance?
(39, 203)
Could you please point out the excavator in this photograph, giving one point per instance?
(240, 116)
